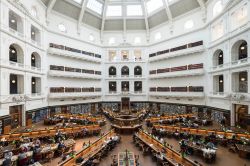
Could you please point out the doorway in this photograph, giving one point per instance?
(16, 116)
(125, 103)
(241, 115)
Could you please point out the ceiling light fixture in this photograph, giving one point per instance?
(243, 79)
(13, 81)
(13, 21)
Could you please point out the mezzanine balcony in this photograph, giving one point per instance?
(75, 55)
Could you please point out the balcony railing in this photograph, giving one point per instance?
(126, 60)
(17, 33)
(219, 94)
(231, 64)
(176, 69)
(16, 64)
(241, 61)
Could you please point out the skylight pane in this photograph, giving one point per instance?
(95, 6)
(78, 1)
(134, 10)
(153, 5)
(114, 11)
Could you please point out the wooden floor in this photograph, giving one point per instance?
(224, 157)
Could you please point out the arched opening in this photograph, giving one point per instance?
(125, 71)
(35, 60)
(137, 71)
(112, 71)
(239, 50)
(16, 53)
(218, 58)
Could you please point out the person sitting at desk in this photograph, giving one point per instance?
(176, 133)
(7, 158)
(37, 142)
(22, 159)
(61, 145)
(183, 147)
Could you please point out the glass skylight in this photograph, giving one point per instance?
(134, 10)
(114, 10)
(95, 6)
(153, 5)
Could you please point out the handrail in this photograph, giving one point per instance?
(204, 132)
(155, 119)
(87, 150)
(170, 153)
(49, 132)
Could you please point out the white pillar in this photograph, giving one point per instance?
(232, 115)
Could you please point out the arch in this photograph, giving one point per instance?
(218, 58)
(125, 71)
(137, 71)
(35, 60)
(239, 50)
(16, 53)
(112, 71)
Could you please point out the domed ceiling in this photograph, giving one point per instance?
(117, 15)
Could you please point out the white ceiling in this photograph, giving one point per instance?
(169, 10)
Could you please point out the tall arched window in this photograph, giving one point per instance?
(243, 50)
(15, 53)
(35, 60)
(125, 71)
(137, 71)
(218, 58)
(239, 50)
(112, 71)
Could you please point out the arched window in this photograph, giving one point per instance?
(218, 58)
(112, 71)
(137, 71)
(217, 8)
(239, 50)
(125, 71)
(15, 53)
(35, 60)
(243, 50)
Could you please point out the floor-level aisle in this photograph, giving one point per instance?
(127, 143)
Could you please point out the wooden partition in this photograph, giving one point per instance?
(171, 155)
(156, 119)
(204, 132)
(84, 116)
(88, 151)
(50, 132)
